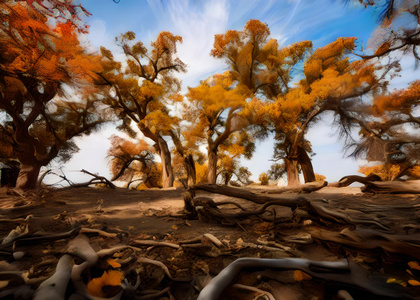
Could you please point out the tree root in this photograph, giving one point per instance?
(341, 272)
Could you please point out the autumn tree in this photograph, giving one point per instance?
(388, 133)
(216, 112)
(392, 34)
(265, 68)
(39, 68)
(259, 63)
(140, 93)
(388, 124)
(133, 161)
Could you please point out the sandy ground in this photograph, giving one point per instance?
(157, 215)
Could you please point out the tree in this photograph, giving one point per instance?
(261, 65)
(390, 36)
(216, 112)
(388, 129)
(266, 70)
(331, 83)
(131, 161)
(61, 11)
(139, 93)
(37, 68)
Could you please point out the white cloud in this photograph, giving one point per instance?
(197, 25)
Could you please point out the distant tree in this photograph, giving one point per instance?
(216, 111)
(40, 68)
(239, 144)
(263, 178)
(140, 93)
(133, 161)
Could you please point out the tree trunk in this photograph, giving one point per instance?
(167, 171)
(306, 164)
(292, 172)
(212, 154)
(191, 172)
(28, 176)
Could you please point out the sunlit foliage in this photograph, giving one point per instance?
(132, 161)
(216, 113)
(140, 93)
(39, 68)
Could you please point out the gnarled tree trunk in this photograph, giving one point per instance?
(28, 176)
(212, 155)
(167, 170)
(191, 172)
(292, 172)
(306, 165)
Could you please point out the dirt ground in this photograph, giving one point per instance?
(157, 215)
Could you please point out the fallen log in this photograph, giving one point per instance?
(308, 187)
(393, 187)
(244, 194)
(370, 240)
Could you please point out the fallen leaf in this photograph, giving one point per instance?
(409, 272)
(113, 263)
(175, 227)
(413, 282)
(108, 278)
(299, 276)
(414, 265)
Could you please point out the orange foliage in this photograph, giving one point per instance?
(384, 171)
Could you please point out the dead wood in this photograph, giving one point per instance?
(244, 194)
(371, 240)
(55, 287)
(393, 187)
(209, 210)
(303, 188)
(347, 180)
(339, 272)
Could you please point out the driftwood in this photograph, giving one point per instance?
(340, 272)
(394, 187)
(315, 208)
(347, 180)
(55, 287)
(363, 238)
(303, 188)
(374, 184)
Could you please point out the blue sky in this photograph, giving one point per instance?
(321, 21)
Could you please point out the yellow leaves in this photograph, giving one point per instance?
(222, 40)
(257, 29)
(313, 69)
(406, 98)
(382, 48)
(108, 54)
(397, 281)
(414, 265)
(109, 278)
(112, 262)
(165, 41)
(335, 49)
(413, 282)
(151, 90)
(158, 121)
(300, 276)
